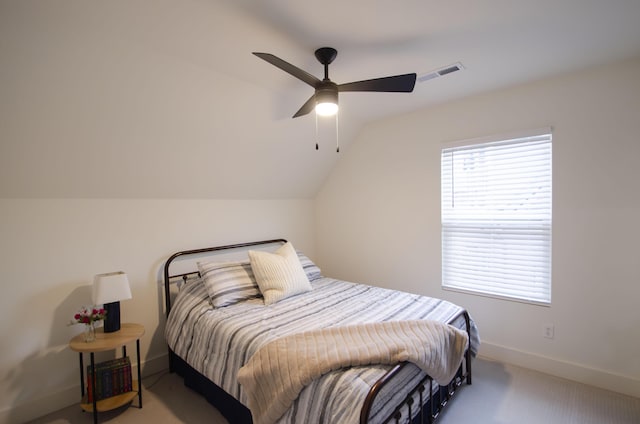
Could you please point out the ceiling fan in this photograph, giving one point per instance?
(325, 98)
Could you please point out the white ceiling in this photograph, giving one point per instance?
(499, 42)
(169, 96)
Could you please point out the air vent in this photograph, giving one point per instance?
(441, 72)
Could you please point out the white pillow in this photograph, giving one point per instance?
(279, 274)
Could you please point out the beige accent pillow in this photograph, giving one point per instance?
(280, 274)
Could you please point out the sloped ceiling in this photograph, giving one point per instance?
(162, 98)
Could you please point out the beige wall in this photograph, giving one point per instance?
(50, 249)
(378, 219)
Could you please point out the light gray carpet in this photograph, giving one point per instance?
(505, 394)
(500, 394)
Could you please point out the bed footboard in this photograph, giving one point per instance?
(436, 400)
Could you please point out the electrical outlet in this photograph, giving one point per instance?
(548, 331)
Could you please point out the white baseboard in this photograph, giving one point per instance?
(34, 408)
(571, 371)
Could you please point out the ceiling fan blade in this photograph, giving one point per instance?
(396, 84)
(307, 107)
(289, 68)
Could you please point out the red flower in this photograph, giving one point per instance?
(89, 315)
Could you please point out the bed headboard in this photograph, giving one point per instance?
(182, 265)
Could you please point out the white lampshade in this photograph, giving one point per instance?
(110, 287)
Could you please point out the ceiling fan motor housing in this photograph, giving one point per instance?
(327, 92)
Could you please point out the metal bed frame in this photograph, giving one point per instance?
(431, 402)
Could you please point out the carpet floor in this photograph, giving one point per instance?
(500, 394)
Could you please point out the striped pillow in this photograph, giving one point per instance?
(279, 274)
(228, 283)
(312, 270)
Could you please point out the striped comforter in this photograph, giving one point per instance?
(218, 342)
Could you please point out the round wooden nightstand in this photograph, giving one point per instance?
(108, 341)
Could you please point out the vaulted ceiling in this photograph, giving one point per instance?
(163, 98)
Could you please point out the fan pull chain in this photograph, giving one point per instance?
(337, 139)
(316, 131)
(337, 134)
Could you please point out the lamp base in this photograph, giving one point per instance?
(112, 320)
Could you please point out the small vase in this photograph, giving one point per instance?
(89, 333)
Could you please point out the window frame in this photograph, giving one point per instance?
(514, 138)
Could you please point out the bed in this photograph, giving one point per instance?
(217, 343)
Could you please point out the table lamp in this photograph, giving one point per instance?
(108, 290)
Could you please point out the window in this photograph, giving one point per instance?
(496, 216)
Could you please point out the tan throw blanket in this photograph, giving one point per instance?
(274, 377)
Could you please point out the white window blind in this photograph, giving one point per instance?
(496, 217)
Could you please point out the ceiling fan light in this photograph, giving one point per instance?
(327, 100)
(326, 109)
